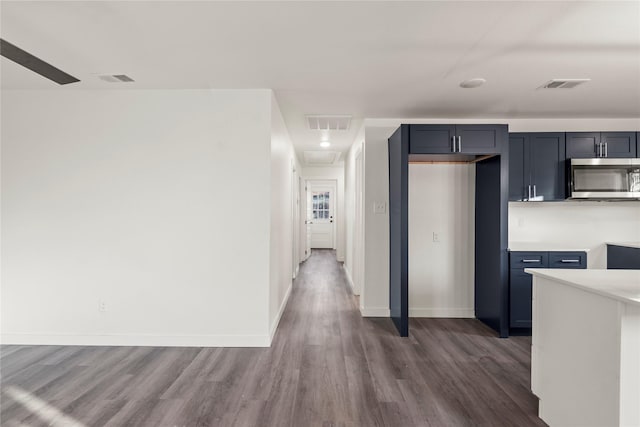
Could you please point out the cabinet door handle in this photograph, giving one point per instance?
(599, 150)
(570, 261)
(530, 260)
(529, 188)
(453, 144)
(606, 149)
(534, 191)
(459, 144)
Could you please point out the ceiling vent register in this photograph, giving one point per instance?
(563, 83)
(335, 123)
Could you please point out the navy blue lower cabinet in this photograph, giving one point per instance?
(623, 258)
(520, 299)
(521, 283)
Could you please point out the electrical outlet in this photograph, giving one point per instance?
(102, 306)
(436, 237)
(379, 207)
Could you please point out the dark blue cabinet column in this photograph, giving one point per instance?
(399, 229)
(491, 258)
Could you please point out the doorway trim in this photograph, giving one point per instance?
(333, 183)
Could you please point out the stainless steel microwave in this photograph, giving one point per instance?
(604, 178)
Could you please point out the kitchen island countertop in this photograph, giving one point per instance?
(623, 285)
(625, 244)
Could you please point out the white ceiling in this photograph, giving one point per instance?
(365, 59)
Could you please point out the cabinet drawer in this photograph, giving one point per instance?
(567, 260)
(529, 260)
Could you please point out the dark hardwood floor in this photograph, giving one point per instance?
(327, 366)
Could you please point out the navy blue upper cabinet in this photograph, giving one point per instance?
(431, 139)
(583, 145)
(516, 167)
(448, 139)
(536, 166)
(478, 139)
(619, 144)
(605, 144)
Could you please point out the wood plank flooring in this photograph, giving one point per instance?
(327, 367)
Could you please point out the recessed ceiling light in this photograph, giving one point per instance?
(471, 83)
(325, 144)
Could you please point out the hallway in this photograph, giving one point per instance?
(327, 366)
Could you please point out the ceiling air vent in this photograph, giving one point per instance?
(563, 83)
(329, 122)
(321, 157)
(116, 78)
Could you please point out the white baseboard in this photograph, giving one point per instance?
(349, 279)
(458, 313)
(375, 312)
(138, 340)
(276, 321)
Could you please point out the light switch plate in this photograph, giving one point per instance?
(379, 207)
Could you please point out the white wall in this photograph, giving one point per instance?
(284, 167)
(351, 245)
(146, 200)
(375, 293)
(585, 225)
(374, 297)
(336, 173)
(441, 274)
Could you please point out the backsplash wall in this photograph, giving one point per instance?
(586, 225)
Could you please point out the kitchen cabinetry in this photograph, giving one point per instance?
(448, 139)
(623, 256)
(520, 282)
(537, 166)
(486, 146)
(582, 145)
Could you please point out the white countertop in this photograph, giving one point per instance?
(626, 244)
(543, 247)
(623, 285)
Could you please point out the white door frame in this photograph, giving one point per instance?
(358, 232)
(295, 219)
(305, 252)
(336, 214)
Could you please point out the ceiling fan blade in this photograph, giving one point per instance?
(35, 64)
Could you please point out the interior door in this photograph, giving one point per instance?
(322, 216)
(308, 221)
